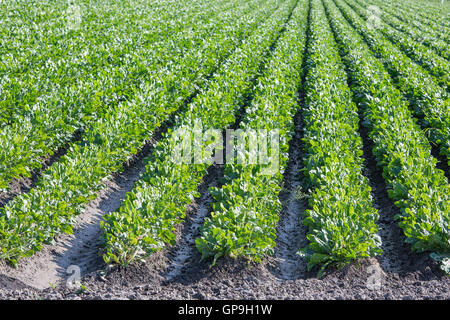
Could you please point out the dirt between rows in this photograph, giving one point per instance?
(231, 279)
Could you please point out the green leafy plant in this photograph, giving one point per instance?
(146, 221)
(420, 190)
(341, 221)
(34, 219)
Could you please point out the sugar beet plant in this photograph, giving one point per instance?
(62, 192)
(146, 220)
(245, 212)
(342, 220)
(420, 190)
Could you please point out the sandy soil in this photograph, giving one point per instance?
(81, 250)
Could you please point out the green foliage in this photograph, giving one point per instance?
(427, 99)
(68, 185)
(342, 220)
(146, 221)
(420, 190)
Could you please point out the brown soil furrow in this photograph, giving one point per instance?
(184, 253)
(291, 233)
(441, 160)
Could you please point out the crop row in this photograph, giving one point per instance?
(420, 190)
(427, 98)
(246, 207)
(146, 220)
(342, 219)
(41, 56)
(424, 56)
(434, 18)
(418, 33)
(69, 95)
(67, 186)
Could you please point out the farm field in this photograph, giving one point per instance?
(212, 149)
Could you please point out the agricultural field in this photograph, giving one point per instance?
(224, 149)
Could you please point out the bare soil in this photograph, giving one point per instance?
(231, 279)
(291, 233)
